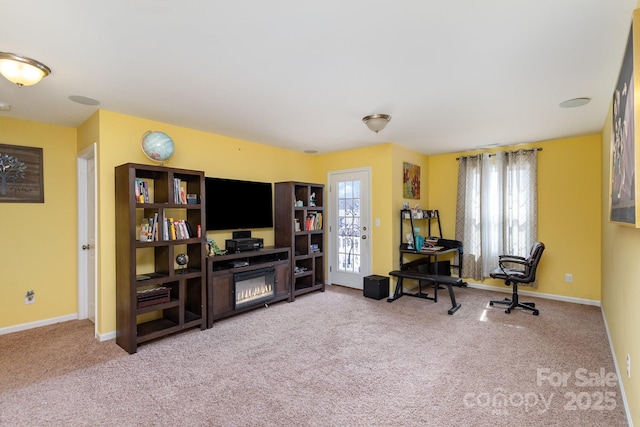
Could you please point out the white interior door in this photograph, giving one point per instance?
(91, 240)
(349, 233)
(87, 241)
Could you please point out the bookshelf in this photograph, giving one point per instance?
(300, 219)
(155, 295)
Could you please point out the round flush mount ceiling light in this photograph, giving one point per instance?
(376, 122)
(84, 100)
(575, 102)
(21, 70)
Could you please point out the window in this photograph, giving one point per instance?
(497, 208)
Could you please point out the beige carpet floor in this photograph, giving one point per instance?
(327, 359)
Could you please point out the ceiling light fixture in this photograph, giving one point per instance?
(376, 122)
(21, 70)
(575, 102)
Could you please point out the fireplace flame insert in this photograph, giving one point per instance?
(254, 287)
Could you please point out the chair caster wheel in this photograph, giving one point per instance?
(507, 311)
(536, 312)
(491, 303)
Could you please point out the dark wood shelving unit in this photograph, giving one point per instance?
(186, 307)
(220, 279)
(293, 206)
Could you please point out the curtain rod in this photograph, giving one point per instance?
(493, 154)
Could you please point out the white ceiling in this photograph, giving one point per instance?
(453, 74)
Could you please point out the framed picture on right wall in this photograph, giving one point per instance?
(623, 191)
(410, 181)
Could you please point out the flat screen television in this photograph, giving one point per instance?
(234, 204)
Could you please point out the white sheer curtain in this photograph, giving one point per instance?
(496, 208)
(492, 212)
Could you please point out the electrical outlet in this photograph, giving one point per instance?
(568, 278)
(29, 297)
(628, 366)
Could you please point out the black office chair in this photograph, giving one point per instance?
(525, 272)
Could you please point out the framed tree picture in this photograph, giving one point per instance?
(21, 176)
(411, 181)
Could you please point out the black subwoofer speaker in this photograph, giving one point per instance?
(376, 287)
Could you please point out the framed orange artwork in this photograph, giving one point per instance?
(411, 181)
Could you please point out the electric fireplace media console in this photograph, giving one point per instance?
(242, 281)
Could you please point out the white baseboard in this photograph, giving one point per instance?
(537, 294)
(618, 373)
(25, 326)
(38, 323)
(107, 336)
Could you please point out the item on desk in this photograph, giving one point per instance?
(419, 242)
(427, 247)
(409, 240)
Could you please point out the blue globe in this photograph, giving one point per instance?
(157, 146)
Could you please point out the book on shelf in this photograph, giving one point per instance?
(189, 229)
(141, 191)
(165, 229)
(172, 229)
(179, 192)
(154, 228)
(149, 229)
(144, 231)
(314, 221)
(177, 229)
(181, 231)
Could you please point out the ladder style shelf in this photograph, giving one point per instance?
(410, 256)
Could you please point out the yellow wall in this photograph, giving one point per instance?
(378, 159)
(38, 240)
(569, 213)
(386, 163)
(216, 155)
(620, 283)
(400, 156)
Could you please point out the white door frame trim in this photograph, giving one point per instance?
(81, 163)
